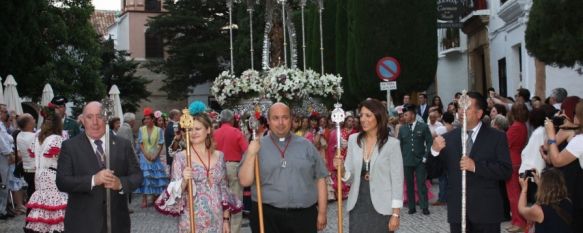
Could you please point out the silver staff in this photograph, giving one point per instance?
(464, 103)
(338, 117)
(107, 112)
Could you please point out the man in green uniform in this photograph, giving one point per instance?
(69, 124)
(416, 142)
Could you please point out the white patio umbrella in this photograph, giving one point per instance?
(13, 102)
(46, 98)
(114, 95)
(2, 101)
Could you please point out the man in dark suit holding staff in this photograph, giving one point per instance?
(487, 163)
(82, 174)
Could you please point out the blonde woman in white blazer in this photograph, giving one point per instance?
(374, 168)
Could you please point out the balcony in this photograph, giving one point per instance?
(512, 9)
(450, 41)
(476, 15)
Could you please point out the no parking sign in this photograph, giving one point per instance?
(388, 69)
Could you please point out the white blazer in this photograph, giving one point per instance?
(385, 171)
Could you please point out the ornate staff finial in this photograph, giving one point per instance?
(107, 108)
(338, 114)
(186, 121)
(464, 101)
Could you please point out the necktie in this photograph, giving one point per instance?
(411, 127)
(100, 153)
(469, 142)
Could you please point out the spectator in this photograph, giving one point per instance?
(497, 109)
(114, 125)
(557, 97)
(6, 155)
(24, 141)
(567, 158)
(169, 133)
(500, 123)
(552, 211)
(517, 136)
(423, 109)
(536, 102)
(126, 129)
(436, 102)
(434, 121)
(531, 157)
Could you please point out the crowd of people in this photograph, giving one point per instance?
(523, 164)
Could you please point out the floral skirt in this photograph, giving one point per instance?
(155, 177)
(47, 204)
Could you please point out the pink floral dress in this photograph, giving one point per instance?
(210, 198)
(47, 204)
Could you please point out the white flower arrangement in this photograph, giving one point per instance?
(277, 84)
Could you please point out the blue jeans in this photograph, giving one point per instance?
(442, 189)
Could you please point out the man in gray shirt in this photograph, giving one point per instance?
(292, 178)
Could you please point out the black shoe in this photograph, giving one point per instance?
(412, 211)
(6, 216)
(425, 211)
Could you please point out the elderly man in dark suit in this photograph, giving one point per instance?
(487, 163)
(81, 173)
(416, 139)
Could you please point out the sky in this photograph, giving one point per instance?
(107, 4)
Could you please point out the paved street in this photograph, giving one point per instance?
(148, 220)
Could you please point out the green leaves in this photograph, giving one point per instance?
(554, 34)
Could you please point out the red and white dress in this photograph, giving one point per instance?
(47, 204)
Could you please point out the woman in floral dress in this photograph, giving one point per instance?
(151, 141)
(213, 203)
(47, 204)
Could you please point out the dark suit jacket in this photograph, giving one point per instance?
(73, 129)
(86, 208)
(424, 114)
(168, 138)
(420, 147)
(492, 158)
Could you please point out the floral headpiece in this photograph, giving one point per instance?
(196, 107)
(148, 111)
(158, 114)
(48, 111)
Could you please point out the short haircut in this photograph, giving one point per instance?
(457, 94)
(501, 109)
(501, 122)
(129, 116)
(173, 113)
(536, 117)
(524, 93)
(491, 89)
(480, 101)
(518, 112)
(227, 115)
(559, 93)
(448, 117)
(23, 120)
(424, 95)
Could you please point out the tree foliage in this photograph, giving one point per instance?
(406, 30)
(117, 68)
(195, 43)
(554, 33)
(51, 42)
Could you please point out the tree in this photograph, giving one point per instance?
(554, 34)
(195, 42)
(406, 30)
(118, 69)
(51, 42)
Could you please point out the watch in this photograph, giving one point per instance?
(396, 215)
(551, 141)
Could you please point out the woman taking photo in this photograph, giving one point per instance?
(552, 212)
(212, 201)
(374, 168)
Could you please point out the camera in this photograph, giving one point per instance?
(558, 120)
(527, 174)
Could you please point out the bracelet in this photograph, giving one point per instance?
(395, 215)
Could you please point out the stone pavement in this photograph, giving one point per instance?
(150, 221)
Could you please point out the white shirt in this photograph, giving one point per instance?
(24, 142)
(5, 141)
(575, 147)
(531, 157)
(476, 129)
(433, 127)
